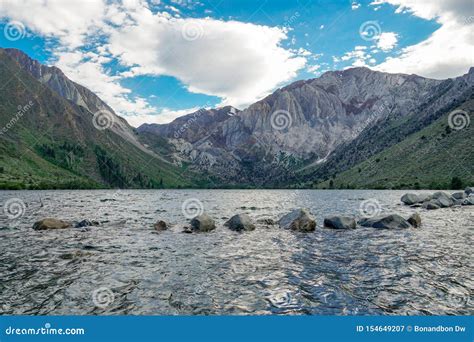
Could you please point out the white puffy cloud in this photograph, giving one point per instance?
(448, 51)
(164, 116)
(239, 62)
(386, 41)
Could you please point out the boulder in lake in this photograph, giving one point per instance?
(410, 199)
(160, 225)
(424, 198)
(415, 220)
(50, 223)
(240, 222)
(340, 222)
(393, 221)
(469, 190)
(203, 223)
(459, 195)
(298, 220)
(267, 221)
(442, 199)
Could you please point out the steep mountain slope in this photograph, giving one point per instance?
(49, 141)
(392, 129)
(298, 125)
(429, 158)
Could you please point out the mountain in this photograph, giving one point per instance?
(306, 132)
(55, 133)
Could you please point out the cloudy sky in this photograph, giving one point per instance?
(154, 60)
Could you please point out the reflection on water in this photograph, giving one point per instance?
(125, 267)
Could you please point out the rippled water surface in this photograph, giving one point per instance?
(127, 268)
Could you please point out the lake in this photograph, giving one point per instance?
(123, 266)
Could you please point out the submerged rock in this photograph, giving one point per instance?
(415, 220)
(240, 222)
(340, 222)
(203, 223)
(160, 225)
(86, 223)
(267, 221)
(431, 205)
(50, 223)
(298, 220)
(393, 221)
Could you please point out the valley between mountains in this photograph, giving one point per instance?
(355, 128)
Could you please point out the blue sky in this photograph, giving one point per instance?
(155, 60)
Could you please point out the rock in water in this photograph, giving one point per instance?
(51, 223)
(203, 223)
(431, 205)
(340, 222)
(423, 198)
(469, 190)
(160, 225)
(240, 222)
(267, 221)
(86, 223)
(385, 222)
(459, 195)
(410, 199)
(469, 200)
(415, 220)
(299, 220)
(442, 199)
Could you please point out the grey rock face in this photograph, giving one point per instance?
(431, 205)
(469, 190)
(240, 222)
(298, 220)
(469, 200)
(340, 222)
(385, 222)
(203, 223)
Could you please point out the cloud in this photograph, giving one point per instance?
(164, 116)
(355, 5)
(448, 51)
(386, 41)
(239, 62)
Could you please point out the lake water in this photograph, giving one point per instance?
(124, 267)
